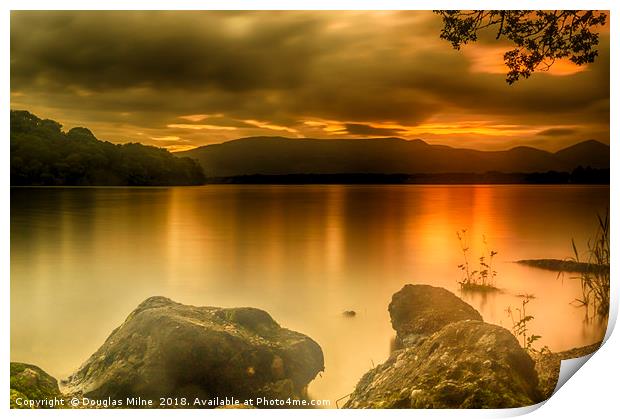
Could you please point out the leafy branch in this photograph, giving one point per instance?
(540, 37)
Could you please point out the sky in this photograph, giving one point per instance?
(184, 79)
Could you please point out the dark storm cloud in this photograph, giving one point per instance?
(364, 130)
(191, 50)
(253, 63)
(138, 72)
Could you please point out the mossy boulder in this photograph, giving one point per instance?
(29, 382)
(16, 398)
(468, 364)
(167, 349)
(447, 358)
(417, 311)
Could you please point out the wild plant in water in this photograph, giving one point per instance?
(595, 281)
(520, 325)
(483, 278)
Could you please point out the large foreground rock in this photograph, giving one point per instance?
(450, 359)
(468, 364)
(31, 383)
(418, 311)
(167, 349)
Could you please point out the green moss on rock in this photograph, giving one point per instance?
(15, 396)
(29, 382)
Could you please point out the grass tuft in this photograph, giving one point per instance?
(595, 282)
(484, 277)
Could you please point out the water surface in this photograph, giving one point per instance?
(83, 258)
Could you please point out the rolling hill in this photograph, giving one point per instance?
(283, 156)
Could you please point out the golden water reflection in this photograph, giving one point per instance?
(83, 258)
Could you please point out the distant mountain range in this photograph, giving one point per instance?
(286, 156)
(43, 154)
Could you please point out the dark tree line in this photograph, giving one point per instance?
(580, 175)
(42, 154)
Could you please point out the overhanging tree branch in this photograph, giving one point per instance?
(540, 37)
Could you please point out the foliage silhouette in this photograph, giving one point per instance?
(43, 155)
(540, 37)
(520, 327)
(595, 283)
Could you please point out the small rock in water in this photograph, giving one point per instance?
(349, 313)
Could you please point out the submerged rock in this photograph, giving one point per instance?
(450, 359)
(418, 311)
(559, 265)
(29, 382)
(167, 349)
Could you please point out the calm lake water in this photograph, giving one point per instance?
(83, 258)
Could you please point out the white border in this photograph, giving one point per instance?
(592, 393)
